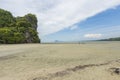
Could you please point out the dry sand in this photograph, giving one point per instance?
(90, 61)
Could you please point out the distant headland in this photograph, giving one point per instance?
(111, 39)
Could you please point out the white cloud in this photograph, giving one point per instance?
(73, 27)
(55, 15)
(93, 35)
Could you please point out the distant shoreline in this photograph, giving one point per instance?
(81, 42)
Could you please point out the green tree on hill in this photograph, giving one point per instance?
(6, 18)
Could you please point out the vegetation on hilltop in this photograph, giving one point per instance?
(18, 29)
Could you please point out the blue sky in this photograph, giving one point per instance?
(70, 20)
(106, 23)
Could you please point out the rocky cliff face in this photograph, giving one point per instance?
(18, 29)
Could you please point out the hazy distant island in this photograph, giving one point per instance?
(18, 29)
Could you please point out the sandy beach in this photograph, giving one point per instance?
(89, 61)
